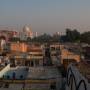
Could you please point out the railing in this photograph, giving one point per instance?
(4, 70)
(75, 81)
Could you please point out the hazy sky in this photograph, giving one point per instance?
(46, 15)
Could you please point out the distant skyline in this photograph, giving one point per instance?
(46, 15)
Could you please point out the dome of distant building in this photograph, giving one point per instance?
(26, 29)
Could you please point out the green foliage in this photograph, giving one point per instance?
(42, 38)
(14, 39)
(75, 36)
(56, 38)
(72, 35)
(46, 38)
(85, 37)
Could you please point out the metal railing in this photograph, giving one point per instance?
(75, 81)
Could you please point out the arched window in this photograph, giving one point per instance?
(8, 77)
(3, 76)
(14, 75)
(21, 76)
(53, 86)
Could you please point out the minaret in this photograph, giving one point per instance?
(30, 32)
(36, 34)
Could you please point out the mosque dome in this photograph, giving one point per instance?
(26, 29)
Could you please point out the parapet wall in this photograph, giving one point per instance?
(3, 71)
(75, 80)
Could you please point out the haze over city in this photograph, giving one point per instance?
(46, 15)
(44, 45)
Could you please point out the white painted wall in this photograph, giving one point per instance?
(3, 71)
(78, 77)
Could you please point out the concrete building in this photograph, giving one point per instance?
(56, 52)
(35, 56)
(19, 47)
(86, 53)
(28, 55)
(68, 57)
(7, 34)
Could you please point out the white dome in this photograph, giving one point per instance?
(26, 29)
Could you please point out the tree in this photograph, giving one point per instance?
(29, 39)
(42, 38)
(72, 35)
(76, 35)
(56, 38)
(69, 35)
(85, 37)
(14, 39)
